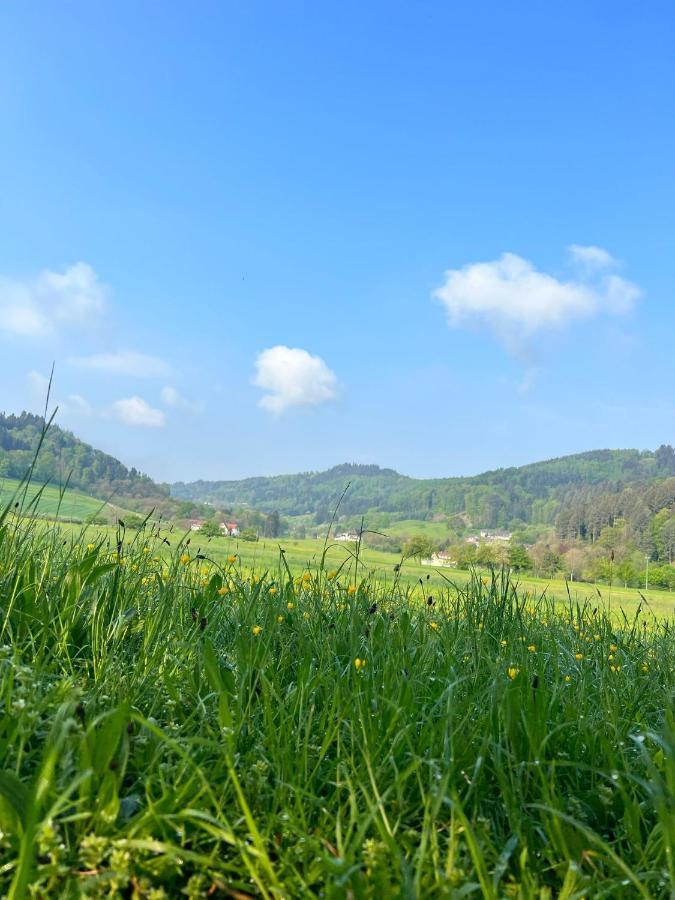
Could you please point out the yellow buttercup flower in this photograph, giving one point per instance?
(532, 648)
(256, 629)
(433, 625)
(351, 589)
(232, 558)
(90, 547)
(568, 678)
(578, 656)
(185, 559)
(512, 671)
(223, 590)
(273, 591)
(359, 664)
(280, 619)
(503, 643)
(290, 605)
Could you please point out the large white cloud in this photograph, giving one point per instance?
(138, 365)
(292, 377)
(138, 412)
(40, 306)
(516, 301)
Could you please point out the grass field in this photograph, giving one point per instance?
(47, 501)
(264, 556)
(180, 727)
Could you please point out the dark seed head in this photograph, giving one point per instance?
(193, 613)
(203, 623)
(373, 609)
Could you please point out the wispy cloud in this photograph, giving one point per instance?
(40, 306)
(513, 299)
(591, 258)
(292, 377)
(172, 397)
(136, 365)
(72, 404)
(136, 411)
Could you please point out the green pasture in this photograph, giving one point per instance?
(300, 554)
(48, 501)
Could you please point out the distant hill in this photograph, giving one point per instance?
(65, 457)
(533, 493)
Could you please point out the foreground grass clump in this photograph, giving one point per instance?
(172, 727)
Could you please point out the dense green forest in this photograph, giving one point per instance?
(504, 498)
(64, 457)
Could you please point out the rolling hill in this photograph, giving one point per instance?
(534, 493)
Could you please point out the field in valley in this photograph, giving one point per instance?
(179, 724)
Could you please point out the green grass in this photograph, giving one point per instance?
(178, 727)
(48, 501)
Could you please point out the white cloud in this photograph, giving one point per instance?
(513, 299)
(173, 398)
(137, 365)
(591, 258)
(41, 306)
(73, 404)
(292, 377)
(138, 412)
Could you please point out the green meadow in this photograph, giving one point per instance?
(180, 720)
(50, 502)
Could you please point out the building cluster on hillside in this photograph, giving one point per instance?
(489, 537)
(347, 536)
(230, 529)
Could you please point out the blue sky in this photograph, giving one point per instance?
(261, 238)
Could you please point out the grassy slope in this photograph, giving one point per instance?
(73, 505)
(178, 728)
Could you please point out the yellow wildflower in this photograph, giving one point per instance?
(532, 648)
(290, 605)
(90, 547)
(351, 589)
(223, 590)
(146, 549)
(232, 558)
(433, 625)
(568, 678)
(280, 619)
(615, 668)
(256, 629)
(359, 664)
(578, 656)
(503, 643)
(185, 559)
(273, 591)
(512, 671)
(645, 668)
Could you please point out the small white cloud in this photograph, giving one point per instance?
(137, 365)
(591, 258)
(73, 404)
(514, 300)
(40, 306)
(173, 398)
(138, 412)
(292, 377)
(39, 384)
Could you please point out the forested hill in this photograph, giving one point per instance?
(501, 498)
(63, 455)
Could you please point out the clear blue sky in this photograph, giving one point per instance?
(188, 186)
